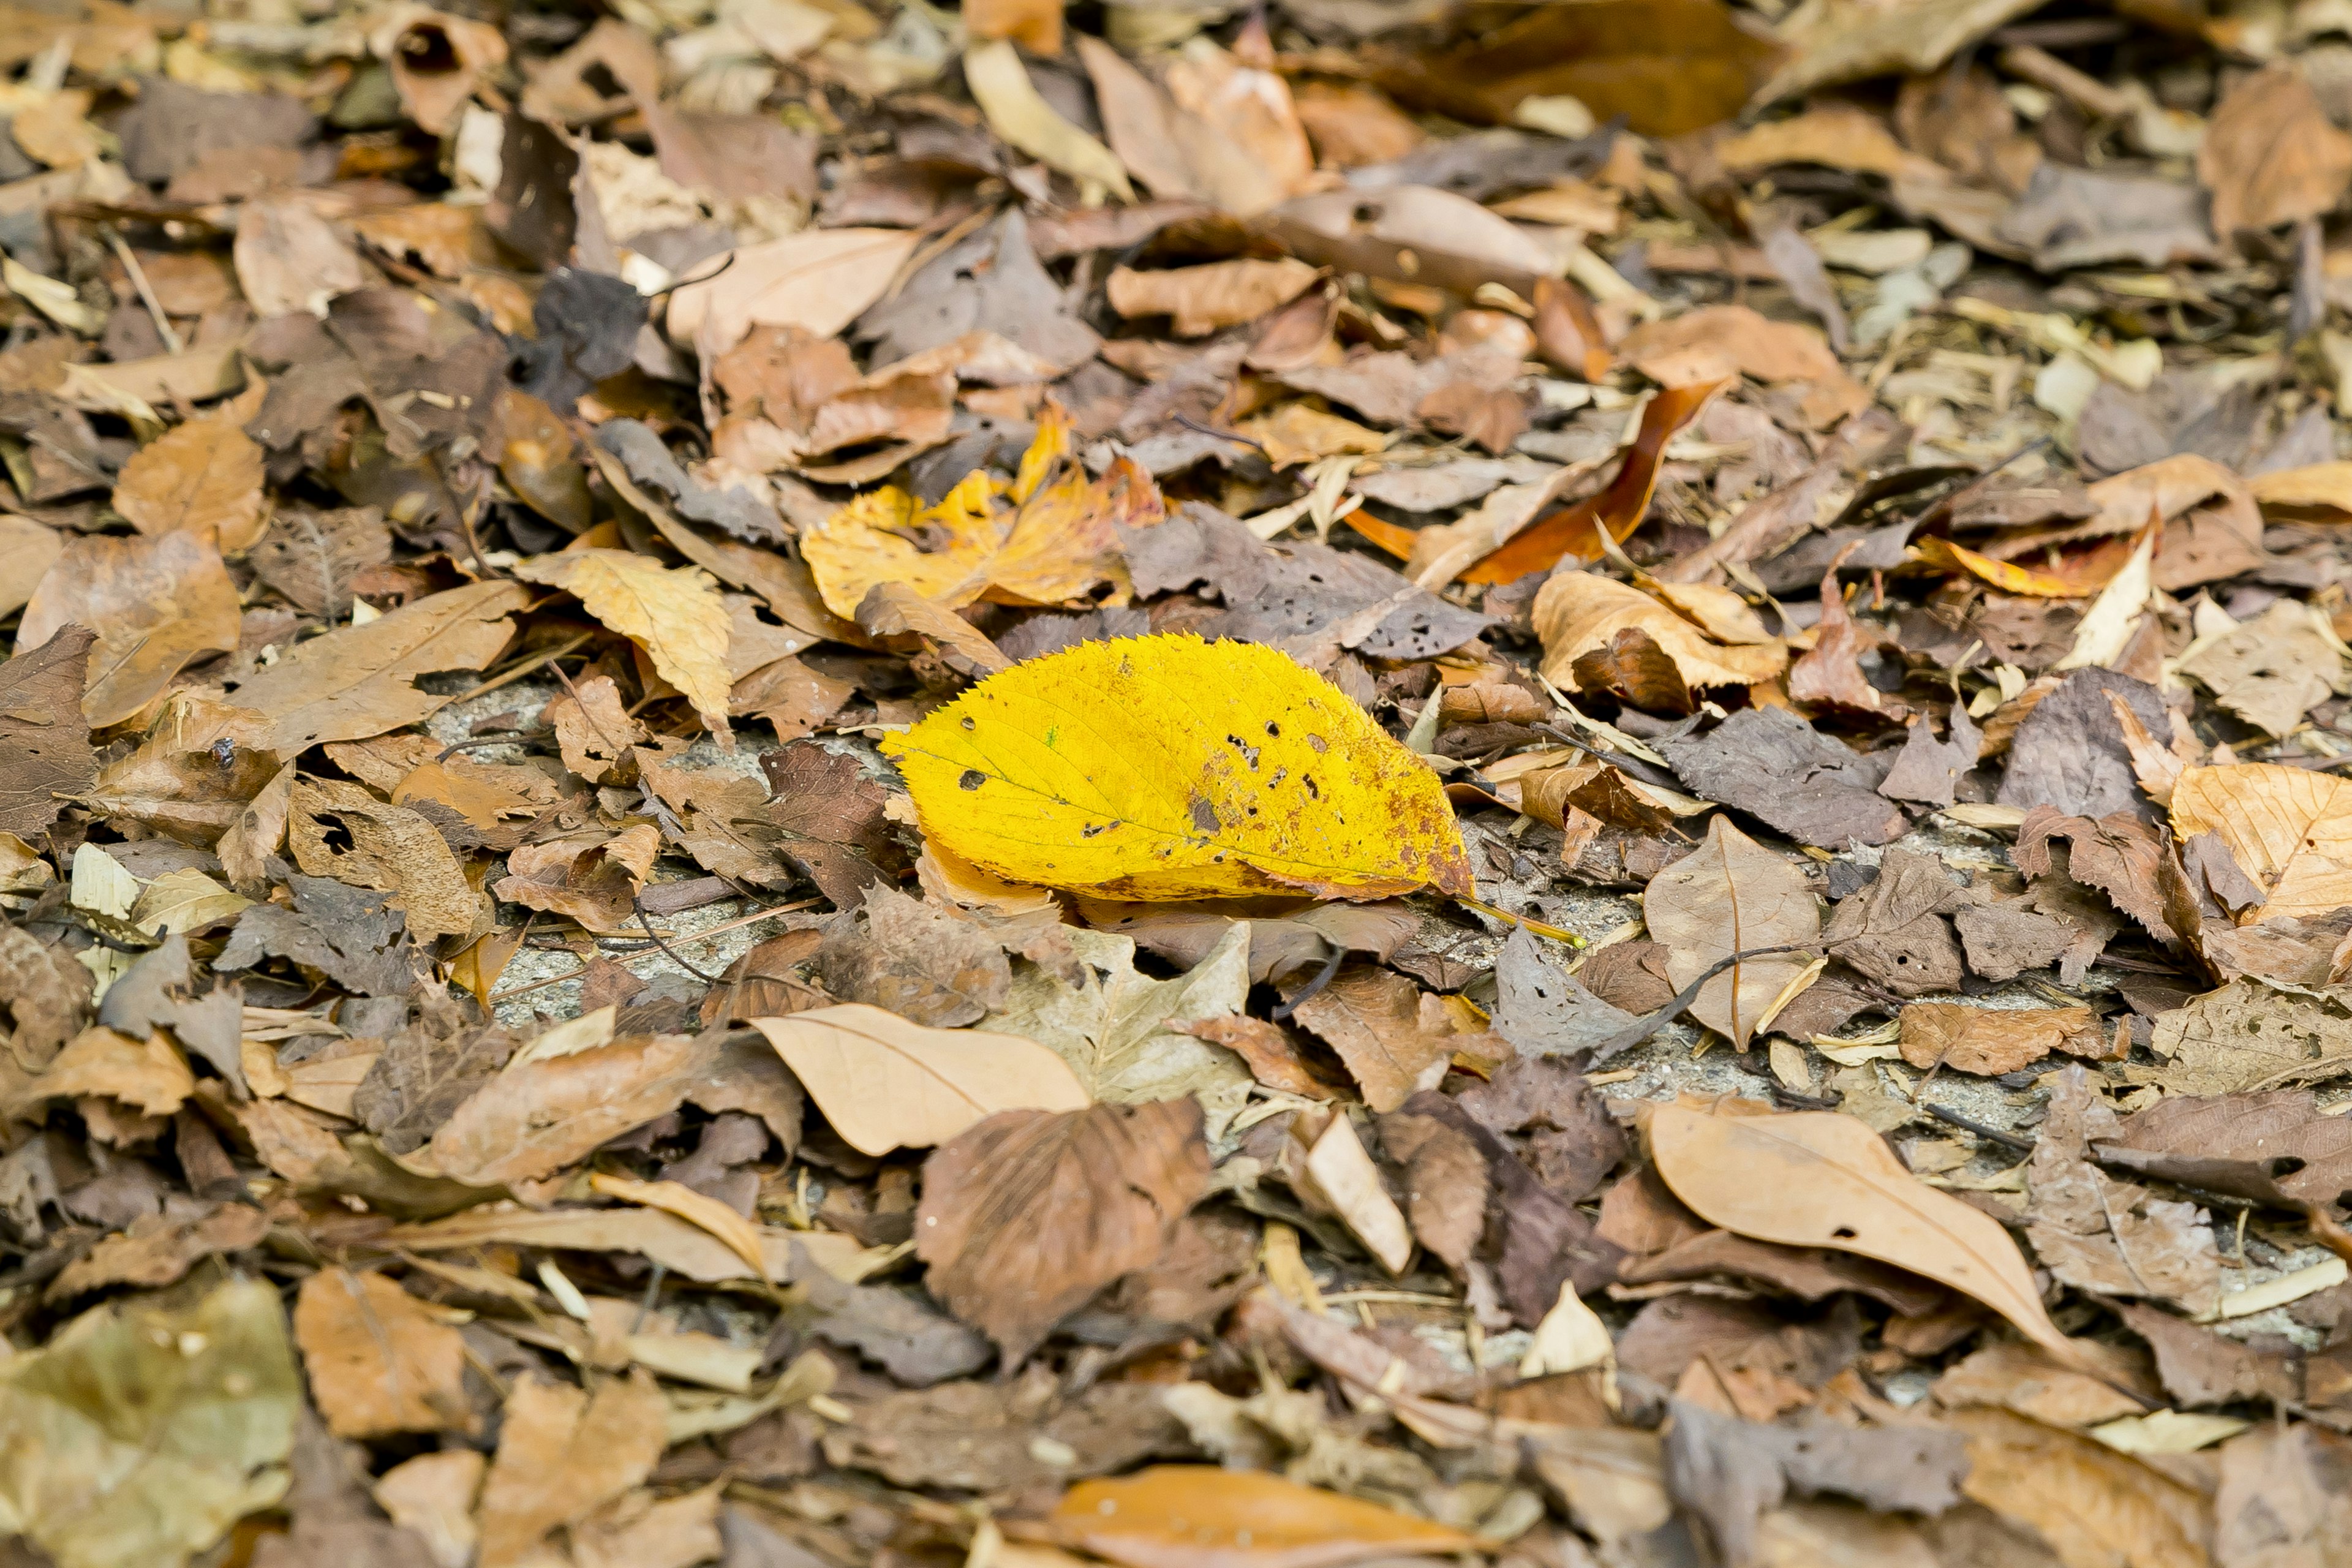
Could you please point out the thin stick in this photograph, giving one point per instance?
(638, 905)
(146, 293)
(1538, 927)
(529, 666)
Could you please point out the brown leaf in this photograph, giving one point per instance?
(539, 1117)
(2201, 1367)
(2088, 1502)
(1578, 613)
(1172, 1515)
(1445, 1181)
(564, 1453)
(1820, 1179)
(2098, 1234)
(2277, 1148)
(312, 556)
(2270, 153)
(393, 850)
(977, 1436)
(379, 1362)
(157, 602)
(360, 681)
(1200, 299)
(2290, 829)
(2284, 1497)
(1990, 1041)
(594, 730)
(423, 1074)
(1730, 896)
(831, 815)
(1894, 931)
(1771, 763)
(915, 959)
(160, 1249)
(721, 822)
(1027, 1214)
(290, 259)
(1395, 1039)
(202, 478)
(594, 883)
(44, 738)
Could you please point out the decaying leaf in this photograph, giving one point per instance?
(673, 612)
(378, 1362)
(1733, 896)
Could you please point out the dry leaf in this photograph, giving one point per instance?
(44, 750)
(1020, 114)
(379, 1362)
(1199, 300)
(1088, 769)
(2271, 156)
(819, 281)
(1581, 613)
(1395, 1039)
(1991, 1041)
(1822, 1179)
(675, 614)
(290, 259)
(1732, 895)
(156, 602)
(885, 1083)
(1128, 1036)
(203, 477)
(359, 681)
(391, 849)
(593, 881)
(1027, 1214)
(1188, 1516)
(2290, 829)
(564, 1453)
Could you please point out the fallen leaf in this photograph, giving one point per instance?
(1771, 763)
(1394, 1037)
(2272, 1148)
(592, 880)
(1173, 1516)
(2282, 1496)
(156, 1250)
(2273, 669)
(359, 681)
(44, 750)
(830, 814)
(915, 959)
(157, 601)
(1185, 814)
(1020, 114)
(538, 1116)
(379, 1362)
(1990, 1042)
(1129, 1036)
(1336, 1175)
(2246, 1036)
(1852, 40)
(1581, 613)
(1026, 1214)
(563, 1453)
(2270, 154)
(2290, 829)
(1200, 299)
(985, 1437)
(291, 258)
(594, 730)
(885, 1083)
(675, 614)
(1730, 896)
(1821, 1179)
(147, 1427)
(391, 850)
(202, 477)
(2088, 1502)
(819, 281)
(1894, 930)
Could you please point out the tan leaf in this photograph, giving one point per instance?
(1027, 1214)
(155, 602)
(446, 239)
(391, 849)
(360, 681)
(1019, 114)
(885, 1083)
(1034, 25)
(742, 1237)
(675, 614)
(594, 730)
(185, 901)
(1336, 1174)
(437, 61)
(536, 1117)
(432, 1496)
(593, 881)
(288, 258)
(27, 549)
(379, 1362)
(203, 477)
(1732, 895)
(258, 832)
(1824, 1179)
(160, 1249)
(1393, 1035)
(2321, 493)
(147, 1075)
(2270, 153)
(1578, 613)
(1199, 300)
(820, 280)
(2089, 1503)
(1169, 1515)
(563, 1454)
(2290, 829)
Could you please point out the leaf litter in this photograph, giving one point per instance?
(848, 782)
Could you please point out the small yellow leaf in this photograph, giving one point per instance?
(674, 613)
(872, 539)
(1018, 112)
(1166, 767)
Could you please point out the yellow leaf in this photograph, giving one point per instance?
(2289, 828)
(872, 539)
(1018, 112)
(2010, 579)
(1166, 767)
(674, 613)
(885, 1083)
(1824, 1179)
(1295, 433)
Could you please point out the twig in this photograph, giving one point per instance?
(751, 919)
(515, 738)
(1649, 1024)
(1192, 424)
(519, 671)
(172, 344)
(1323, 977)
(2009, 1140)
(638, 905)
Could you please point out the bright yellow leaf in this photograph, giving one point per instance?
(1166, 767)
(874, 539)
(674, 613)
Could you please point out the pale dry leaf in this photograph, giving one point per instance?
(1016, 112)
(885, 1083)
(1580, 612)
(1732, 895)
(203, 477)
(2290, 829)
(564, 1453)
(156, 602)
(1200, 299)
(378, 1361)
